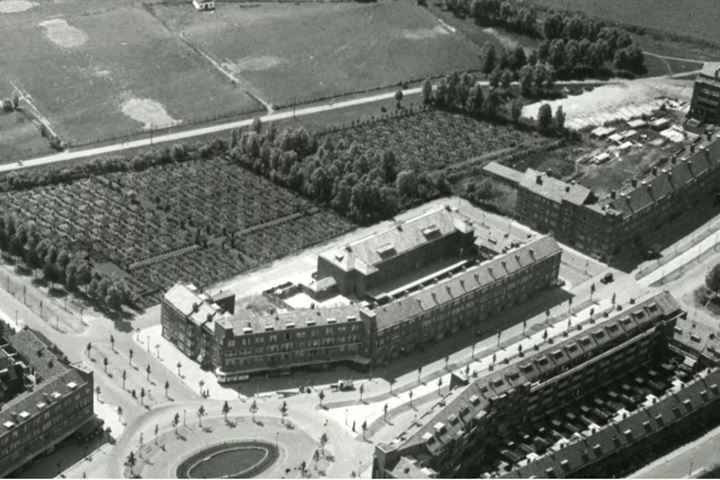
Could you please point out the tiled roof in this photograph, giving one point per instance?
(474, 400)
(554, 189)
(367, 253)
(671, 408)
(473, 278)
(673, 176)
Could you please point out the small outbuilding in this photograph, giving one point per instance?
(204, 5)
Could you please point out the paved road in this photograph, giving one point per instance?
(224, 127)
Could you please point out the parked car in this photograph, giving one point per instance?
(607, 278)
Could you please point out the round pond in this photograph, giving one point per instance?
(229, 460)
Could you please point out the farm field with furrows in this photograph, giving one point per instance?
(690, 18)
(100, 71)
(195, 221)
(436, 139)
(286, 53)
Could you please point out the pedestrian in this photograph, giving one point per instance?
(353, 426)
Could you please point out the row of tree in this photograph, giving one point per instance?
(495, 12)
(59, 265)
(547, 123)
(364, 185)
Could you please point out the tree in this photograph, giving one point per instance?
(176, 421)
(200, 413)
(440, 382)
(88, 348)
(494, 77)
(410, 394)
(324, 439)
(283, 412)
(142, 396)
(712, 279)
(553, 26)
(179, 366)
(131, 461)
(489, 59)
(130, 355)
(385, 411)
(474, 101)
(124, 377)
(399, 96)
(515, 110)
(105, 363)
(559, 122)
(112, 343)
(15, 101)
(225, 410)
(157, 430)
(147, 370)
(361, 390)
(321, 396)
(492, 104)
(544, 118)
(427, 91)
(364, 427)
(506, 79)
(98, 391)
(407, 184)
(254, 408)
(119, 412)
(167, 387)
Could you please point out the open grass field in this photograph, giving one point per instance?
(196, 221)
(436, 139)
(97, 70)
(20, 137)
(288, 53)
(691, 18)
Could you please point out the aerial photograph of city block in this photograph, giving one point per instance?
(359, 239)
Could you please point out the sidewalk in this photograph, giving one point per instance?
(190, 373)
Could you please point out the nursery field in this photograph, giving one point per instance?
(195, 221)
(436, 139)
(105, 70)
(288, 53)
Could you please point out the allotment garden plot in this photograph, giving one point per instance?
(288, 53)
(435, 139)
(197, 221)
(104, 70)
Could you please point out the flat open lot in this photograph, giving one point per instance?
(286, 53)
(97, 70)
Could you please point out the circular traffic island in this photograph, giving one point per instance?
(234, 459)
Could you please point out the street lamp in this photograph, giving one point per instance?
(147, 347)
(277, 438)
(346, 414)
(184, 412)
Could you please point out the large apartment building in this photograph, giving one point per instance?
(403, 288)
(42, 399)
(603, 226)
(542, 414)
(705, 104)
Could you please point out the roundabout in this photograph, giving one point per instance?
(241, 459)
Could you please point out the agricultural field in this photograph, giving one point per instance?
(195, 221)
(436, 139)
(99, 70)
(288, 53)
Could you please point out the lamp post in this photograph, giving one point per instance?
(346, 414)
(184, 412)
